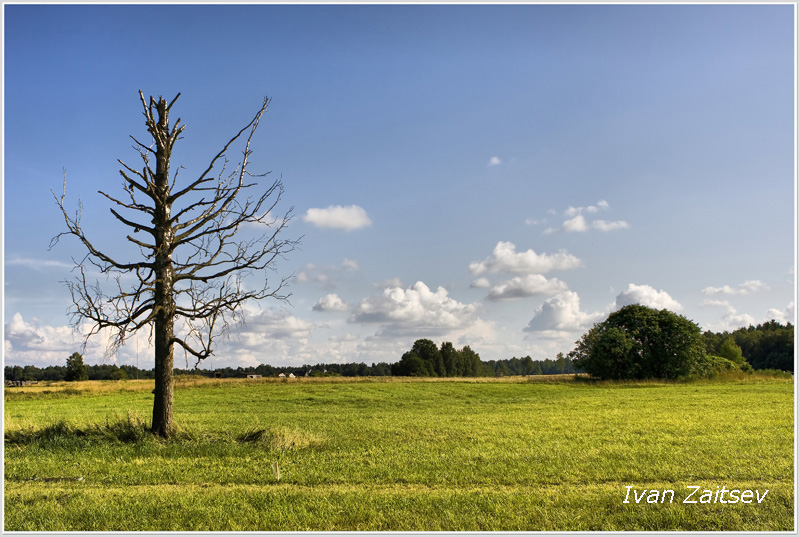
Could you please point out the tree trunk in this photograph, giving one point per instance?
(163, 424)
(164, 305)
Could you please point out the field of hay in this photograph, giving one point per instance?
(521, 454)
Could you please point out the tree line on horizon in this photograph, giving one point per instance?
(765, 346)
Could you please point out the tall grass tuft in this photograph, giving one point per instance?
(281, 438)
(129, 429)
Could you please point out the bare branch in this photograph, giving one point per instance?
(252, 125)
(209, 237)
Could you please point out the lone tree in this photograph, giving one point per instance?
(637, 342)
(185, 281)
(75, 368)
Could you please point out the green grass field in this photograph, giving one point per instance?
(370, 454)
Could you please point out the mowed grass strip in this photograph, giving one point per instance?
(389, 455)
(376, 508)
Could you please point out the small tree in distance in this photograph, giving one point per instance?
(190, 252)
(75, 368)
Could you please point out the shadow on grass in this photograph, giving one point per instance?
(132, 429)
(129, 429)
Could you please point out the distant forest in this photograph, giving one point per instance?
(765, 346)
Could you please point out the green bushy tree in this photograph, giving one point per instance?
(637, 342)
(75, 368)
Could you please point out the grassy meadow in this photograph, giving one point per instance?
(524, 454)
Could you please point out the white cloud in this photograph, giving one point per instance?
(38, 264)
(479, 335)
(414, 311)
(35, 343)
(494, 161)
(270, 324)
(330, 302)
(313, 274)
(784, 316)
(326, 275)
(39, 344)
(646, 296)
(561, 315)
(730, 320)
(591, 209)
(350, 264)
(577, 223)
(744, 288)
(715, 303)
(525, 286)
(481, 283)
(534, 222)
(605, 225)
(338, 217)
(391, 282)
(505, 258)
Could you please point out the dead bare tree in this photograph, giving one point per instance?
(186, 284)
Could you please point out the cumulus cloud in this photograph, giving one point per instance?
(326, 275)
(330, 302)
(338, 217)
(576, 222)
(744, 288)
(535, 222)
(646, 296)
(494, 161)
(525, 286)
(605, 225)
(312, 274)
(417, 310)
(505, 258)
(730, 320)
(561, 315)
(481, 283)
(391, 282)
(350, 264)
(36, 343)
(591, 209)
(782, 316)
(271, 324)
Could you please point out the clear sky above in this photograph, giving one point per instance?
(494, 176)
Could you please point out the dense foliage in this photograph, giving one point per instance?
(764, 346)
(426, 360)
(637, 342)
(75, 368)
(528, 366)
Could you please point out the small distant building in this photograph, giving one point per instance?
(291, 375)
(254, 376)
(282, 376)
(18, 383)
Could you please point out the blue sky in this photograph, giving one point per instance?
(497, 176)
